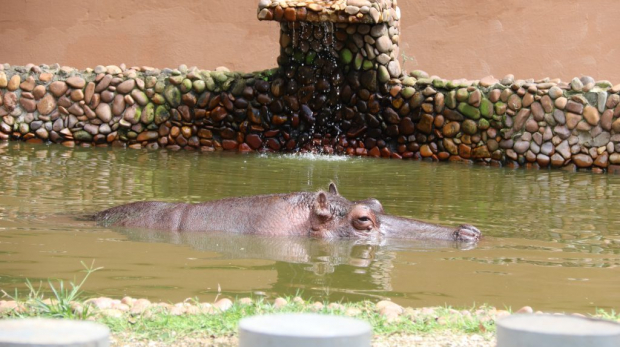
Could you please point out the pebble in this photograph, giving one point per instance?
(14, 83)
(223, 304)
(76, 82)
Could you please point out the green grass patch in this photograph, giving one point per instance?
(168, 323)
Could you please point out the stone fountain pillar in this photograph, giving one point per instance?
(333, 53)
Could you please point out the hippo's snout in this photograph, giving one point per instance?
(467, 233)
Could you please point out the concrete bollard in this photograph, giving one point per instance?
(545, 330)
(303, 330)
(33, 332)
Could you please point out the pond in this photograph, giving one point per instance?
(552, 238)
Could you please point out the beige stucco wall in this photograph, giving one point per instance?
(450, 38)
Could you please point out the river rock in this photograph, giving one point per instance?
(104, 112)
(46, 105)
(521, 146)
(28, 84)
(574, 107)
(572, 119)
(126, 87)
(14, 83)
(394, 68)
(58, 88)
(520, 118)
(76, 82)
(172, 95)
(384, 44)
(602, 160)
(470, 127)
(583, 160)
(555, 92)
(591, 115)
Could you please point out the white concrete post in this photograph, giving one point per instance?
(544, 330)
(303, 330)
(33, 332)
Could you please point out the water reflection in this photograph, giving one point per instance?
(552, 238)
(310, 266)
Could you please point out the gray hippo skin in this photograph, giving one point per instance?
(321, 215)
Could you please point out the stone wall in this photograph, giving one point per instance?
(339, 88)
(546, 123)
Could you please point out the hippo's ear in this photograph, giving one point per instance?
(321, 206)
(333, 189)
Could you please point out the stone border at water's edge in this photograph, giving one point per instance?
(545, 123)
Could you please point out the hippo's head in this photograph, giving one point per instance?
(334, 216)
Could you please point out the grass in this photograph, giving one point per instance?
(61, 305)
(158, 323)
(162, 326)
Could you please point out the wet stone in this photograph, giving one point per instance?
(172, 95)
(469, 127)
(547, 148)
(602, 160)
(406, 126)
(521, 146)
(451, 129)
(469, 111)
(426, 124)
(542, 160)
(82, 136)
(583, 160)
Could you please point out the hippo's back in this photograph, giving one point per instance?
(143, 214)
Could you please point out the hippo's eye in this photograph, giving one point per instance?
(364, 219)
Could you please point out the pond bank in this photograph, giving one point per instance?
(139, 322)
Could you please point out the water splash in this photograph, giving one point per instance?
(307, 156)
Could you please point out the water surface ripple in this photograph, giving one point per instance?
(552, 238)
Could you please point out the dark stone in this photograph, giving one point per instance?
(369, 80)
(583, 160)
(406, 126)
(426, 124)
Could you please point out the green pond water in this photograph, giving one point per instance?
(552, 238)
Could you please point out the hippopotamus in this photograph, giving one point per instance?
(322, 214)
